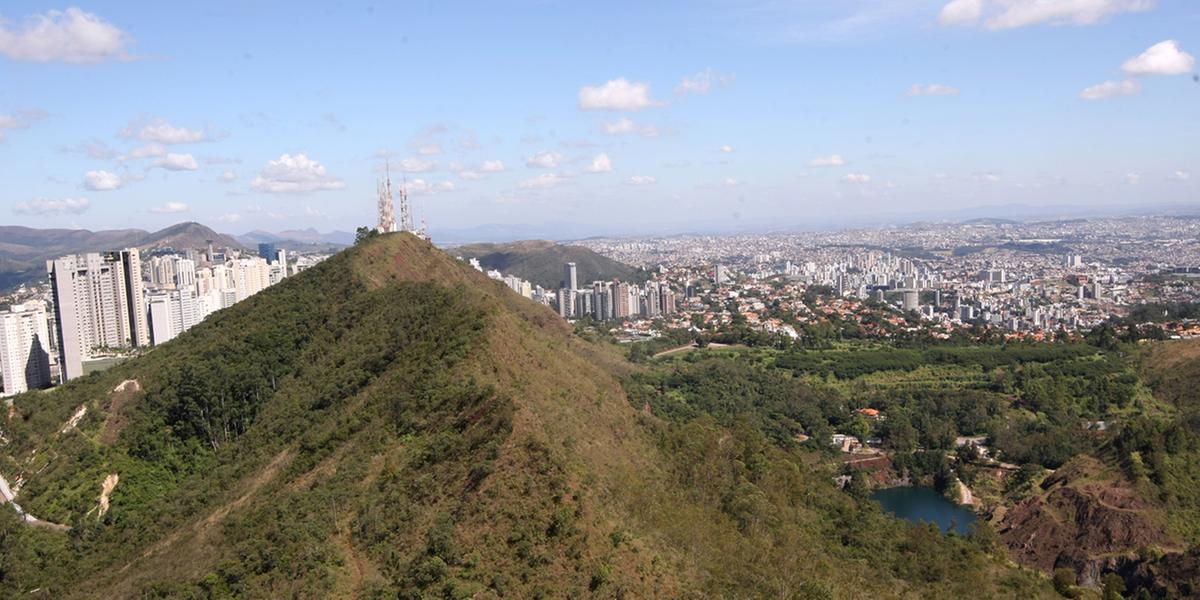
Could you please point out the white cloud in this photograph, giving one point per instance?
(430, 149)
(624, 125)
(20, 120)
(857, 178)
(47, 206)
(170, 208)
(543, 181)
(70, 36)
(933, 89)
(1181, 175)
(642, 180)
(1009, 14)
(833, 160)
(421, 186)
(416, 165)
(961, 12)
(162, 132)
(228, 176)
(93, 148)
(177, 162)
(727, 149)
(492, 166)
(1133, 178)
(102, 181)
(1111, 89)
(148, 150)
(470, 175)
(544, 160)
(986, 177)
(702, 82)
(731, 182)
(230, 217)
(600, 164)
(1163, 58)
(295, 174)
(617, 94)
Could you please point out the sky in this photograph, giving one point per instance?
(614, 116)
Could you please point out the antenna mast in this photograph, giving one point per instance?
(406, 216)
(387, 215)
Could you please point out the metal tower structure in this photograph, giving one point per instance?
(406, 215)
(387, 215)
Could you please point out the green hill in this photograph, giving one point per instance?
(542, 262)
(391, 423)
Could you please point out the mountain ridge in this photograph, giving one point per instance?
(24, 250)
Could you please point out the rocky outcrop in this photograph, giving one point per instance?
(1082, 521)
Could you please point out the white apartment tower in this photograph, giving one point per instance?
(90, 306)
(24, 349)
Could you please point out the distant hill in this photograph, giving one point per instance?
(298, 237)
(183, 236)
(392, 424)
(24, 250)
(542, 262)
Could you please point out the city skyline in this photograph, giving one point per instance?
(709, 116)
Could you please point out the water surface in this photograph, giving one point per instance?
(925, 505)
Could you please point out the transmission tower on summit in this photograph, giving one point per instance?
(406, 213)
(387, 214)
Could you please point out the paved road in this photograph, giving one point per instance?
(11, 497)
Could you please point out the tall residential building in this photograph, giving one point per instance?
(570, 277)
(172, 312)
(24, 348)
(622, 307)
(566, 303)
(90, 307)
(135, 297)
(602, 301)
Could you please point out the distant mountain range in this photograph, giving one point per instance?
(542, 262)
(297, 236)
(24, 250)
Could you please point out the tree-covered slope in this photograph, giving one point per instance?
(391, 423)
(542, 262)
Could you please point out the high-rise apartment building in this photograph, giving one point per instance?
(622, 307)
(172, 312)
(24, 348)
(135, 297)
(90, 307)
(570, 277)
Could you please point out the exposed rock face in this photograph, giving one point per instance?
(1175, 575)
(1082, 522)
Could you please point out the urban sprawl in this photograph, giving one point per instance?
(1023, 281)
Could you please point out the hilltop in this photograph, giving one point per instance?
(392, 423)
(541, 262)
(24, 250)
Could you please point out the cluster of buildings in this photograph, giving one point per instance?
(607, 300)
(1030, 280)
(599, 300)
(106, 304)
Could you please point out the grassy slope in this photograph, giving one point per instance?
(542, 262)
(483, 451)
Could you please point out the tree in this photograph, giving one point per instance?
(363, 234)
(1114, 587)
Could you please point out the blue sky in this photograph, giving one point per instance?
(620, 115)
